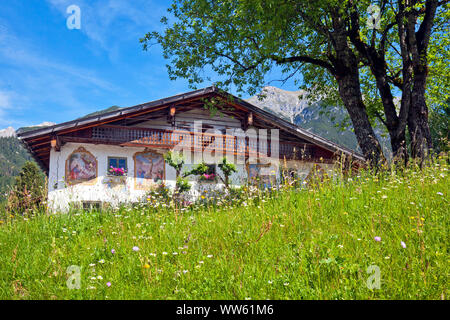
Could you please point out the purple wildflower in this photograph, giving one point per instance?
(378, 239)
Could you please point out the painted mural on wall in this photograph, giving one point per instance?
(81, 166)
(148, 169)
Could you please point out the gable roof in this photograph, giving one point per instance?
(44, 135)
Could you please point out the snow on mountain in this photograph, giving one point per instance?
(287, 104)
(8, 132)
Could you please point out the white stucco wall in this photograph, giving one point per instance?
(61, 195)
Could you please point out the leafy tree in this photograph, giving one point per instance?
(409, 39)
(243, 40)
(176, 161)
(328, 41)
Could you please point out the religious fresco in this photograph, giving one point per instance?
(81, 166)
(148, 169)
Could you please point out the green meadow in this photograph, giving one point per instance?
(371, 236)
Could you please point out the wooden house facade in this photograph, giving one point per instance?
(117, 156)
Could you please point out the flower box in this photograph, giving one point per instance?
(117, 172)
(207, 177)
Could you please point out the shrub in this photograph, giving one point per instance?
(29, 191)
(227, 169)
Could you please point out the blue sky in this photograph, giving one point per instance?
(51, 73)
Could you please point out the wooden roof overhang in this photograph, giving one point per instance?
(38, 142)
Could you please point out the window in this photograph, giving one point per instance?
(92, 206)
(119, 163)
(211, 169)
(210, 174)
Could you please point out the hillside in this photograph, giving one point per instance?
(38, 126)
(310, 243)
(97, 113)
(12, 157)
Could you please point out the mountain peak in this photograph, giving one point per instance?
(8, 132)
(287, 104)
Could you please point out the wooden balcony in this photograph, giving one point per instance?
(195, 141)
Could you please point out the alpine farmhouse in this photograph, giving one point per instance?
(117, 157)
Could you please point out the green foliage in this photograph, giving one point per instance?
(310, 243)
(175, 160)
(29, 191)
(228, 169)
(97, 113)
(161, 194)
(439, 120)
(243, 41)
(12, 157)
(197, 170)
(438, 85)
(183, 185)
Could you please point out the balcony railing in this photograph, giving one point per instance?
(202, 141)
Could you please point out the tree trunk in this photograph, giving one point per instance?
(417, 48)
(351, 96)
(347, 76)
(394, 125)
(377, 62)
(419, 130)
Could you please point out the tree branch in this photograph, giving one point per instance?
(307, 59)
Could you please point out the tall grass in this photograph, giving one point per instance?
(310, 243)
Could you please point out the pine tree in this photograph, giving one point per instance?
(29, 190)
